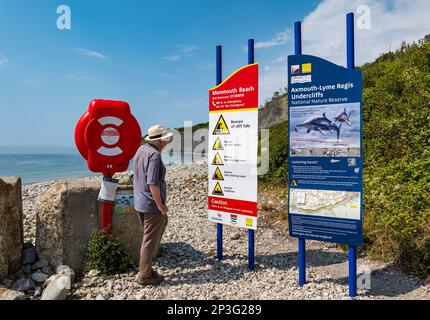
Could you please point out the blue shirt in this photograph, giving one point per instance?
(148, 169)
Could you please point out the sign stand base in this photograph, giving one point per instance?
(219, 241)
(352, 257)
(302, 262)
(251, 250)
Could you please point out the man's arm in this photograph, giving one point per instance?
(155, 190)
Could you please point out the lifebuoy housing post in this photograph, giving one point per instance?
(108, 136)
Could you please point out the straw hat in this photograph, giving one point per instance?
(158, 132)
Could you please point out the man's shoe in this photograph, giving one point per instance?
(157, 275)
(151, 281)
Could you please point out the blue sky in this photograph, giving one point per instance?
(158, 56)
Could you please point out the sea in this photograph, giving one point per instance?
(37, 164)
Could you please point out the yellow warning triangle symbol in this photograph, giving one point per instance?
(217, 160)
(217, 190)
(218, 145)
(294, 183)
(218, 175)
(221, 127)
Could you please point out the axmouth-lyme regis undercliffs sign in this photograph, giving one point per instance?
(325, 151)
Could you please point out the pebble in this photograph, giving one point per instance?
(40, 264)
(39, 277)
(93, 273)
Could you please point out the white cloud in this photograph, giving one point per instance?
(3, 61)
(184, 51)
(392, 21)
(279, 39)
(324, 34)
(91, 53)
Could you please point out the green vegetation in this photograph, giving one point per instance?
(396, 116)
(274, 111)
(107, 254)
(396, 102)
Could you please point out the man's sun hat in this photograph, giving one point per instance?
(158, 132)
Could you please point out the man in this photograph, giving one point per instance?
(150, 199)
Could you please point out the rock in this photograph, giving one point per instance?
(93, 273)
(39, 277)
(11, 225)
(100, 297)
(23, 285)
(66, 271)
(7, 294)
(8, 282)
(40, 264)
(28, 255)
(139, 296)
(67, 213)
(27, 245)
(57, 287)
(26, 269)
(38, 291)
(235, 236)
(47, 270)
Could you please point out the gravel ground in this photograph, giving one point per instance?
(187, 257)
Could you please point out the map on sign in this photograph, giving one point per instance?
(233, 128)
(325, 203)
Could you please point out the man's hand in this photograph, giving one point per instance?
(163, 209)
(155, 190)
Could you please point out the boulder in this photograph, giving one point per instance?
(28, 254)
(68, 212)
(7, 294)
(58, 286)
(11, 225)
(23, 285)
(26, 269)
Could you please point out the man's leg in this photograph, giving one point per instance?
(160, 235)
(152, 223)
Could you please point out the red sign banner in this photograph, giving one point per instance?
(237, 92)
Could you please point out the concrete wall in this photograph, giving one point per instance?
(67, 213)
(11, 228)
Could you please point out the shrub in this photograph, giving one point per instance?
(107, 254)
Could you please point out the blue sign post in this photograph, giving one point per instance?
(350, 52)
(218, 81)
(325, 152)
(250, 231)
(302, 243)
